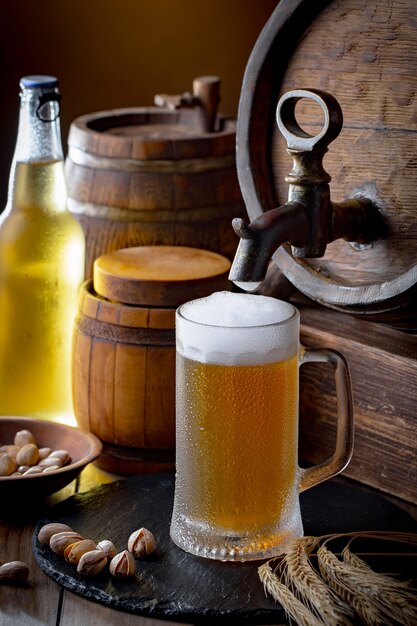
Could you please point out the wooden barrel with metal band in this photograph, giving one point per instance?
(151, 176)
(365, 55)
(124, 350)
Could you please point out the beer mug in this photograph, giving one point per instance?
(237, 479)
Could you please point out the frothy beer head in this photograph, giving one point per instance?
(237, 329)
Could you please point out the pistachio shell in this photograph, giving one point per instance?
(27, 455)
(22, 437)
(92, 562)
(7, 464)
(122, 564)
(141, 542)
(51, 468)
(49, 461)
(63, 455)
(60, 541)
(14, 572)
(44, 452)
(11, 450)
(48, 530)
(33, 470)
(74, 551)
(108, 548)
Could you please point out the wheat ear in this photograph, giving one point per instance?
(292, 606)
(335, 575)
(299, 575)
(355, 561)
(396, 597)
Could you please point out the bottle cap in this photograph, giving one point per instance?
(38, 81)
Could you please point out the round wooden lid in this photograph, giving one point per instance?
(160, 275)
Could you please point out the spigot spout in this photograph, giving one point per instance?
(309, 220)
(261, 238)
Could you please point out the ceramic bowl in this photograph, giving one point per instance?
(82, 446)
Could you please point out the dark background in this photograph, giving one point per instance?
(120, 53)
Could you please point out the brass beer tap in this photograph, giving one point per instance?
(309, 220)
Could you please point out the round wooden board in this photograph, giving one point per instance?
(159, 275)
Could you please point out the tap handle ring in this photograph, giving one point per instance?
(297, 138)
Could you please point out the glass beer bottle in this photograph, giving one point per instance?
(41, 264)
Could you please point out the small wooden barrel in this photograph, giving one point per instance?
(124, 350)
(151, 176)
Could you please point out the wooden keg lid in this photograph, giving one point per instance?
(160, 275)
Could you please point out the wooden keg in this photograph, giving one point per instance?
(365, 55)
(124, 349)
(154, 176)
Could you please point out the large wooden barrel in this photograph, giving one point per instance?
(150, 176)
(124, 350)
(364, 54)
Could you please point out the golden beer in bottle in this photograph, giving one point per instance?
(41, 265)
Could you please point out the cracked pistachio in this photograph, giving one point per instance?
(122, 565)
(74, 551)
(92, 562)
(141, 542)
(60, 541)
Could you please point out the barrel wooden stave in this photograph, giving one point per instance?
(148, 177)
(124, 392)
(153, 191)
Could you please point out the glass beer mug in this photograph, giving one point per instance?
(237, 477)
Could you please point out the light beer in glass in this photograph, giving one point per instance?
(237, 476)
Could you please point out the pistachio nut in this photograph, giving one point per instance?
(141, 542)
(22, 437)
(35, 469)
(14, 572)
(44, 452)
(27, 455)
(61, 540)
(49, 461)
(48, 530)
(11, 450)
(7, 464)
(74, 551)
(63, 455)
(92, 562)
(122, 564)
(51, 468)
(108, 548)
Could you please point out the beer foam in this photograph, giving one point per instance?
(234, 328)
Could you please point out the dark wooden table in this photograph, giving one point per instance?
(43, 601)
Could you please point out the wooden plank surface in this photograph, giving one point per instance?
(384, 379)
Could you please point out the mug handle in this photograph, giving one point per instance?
(344, 435)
